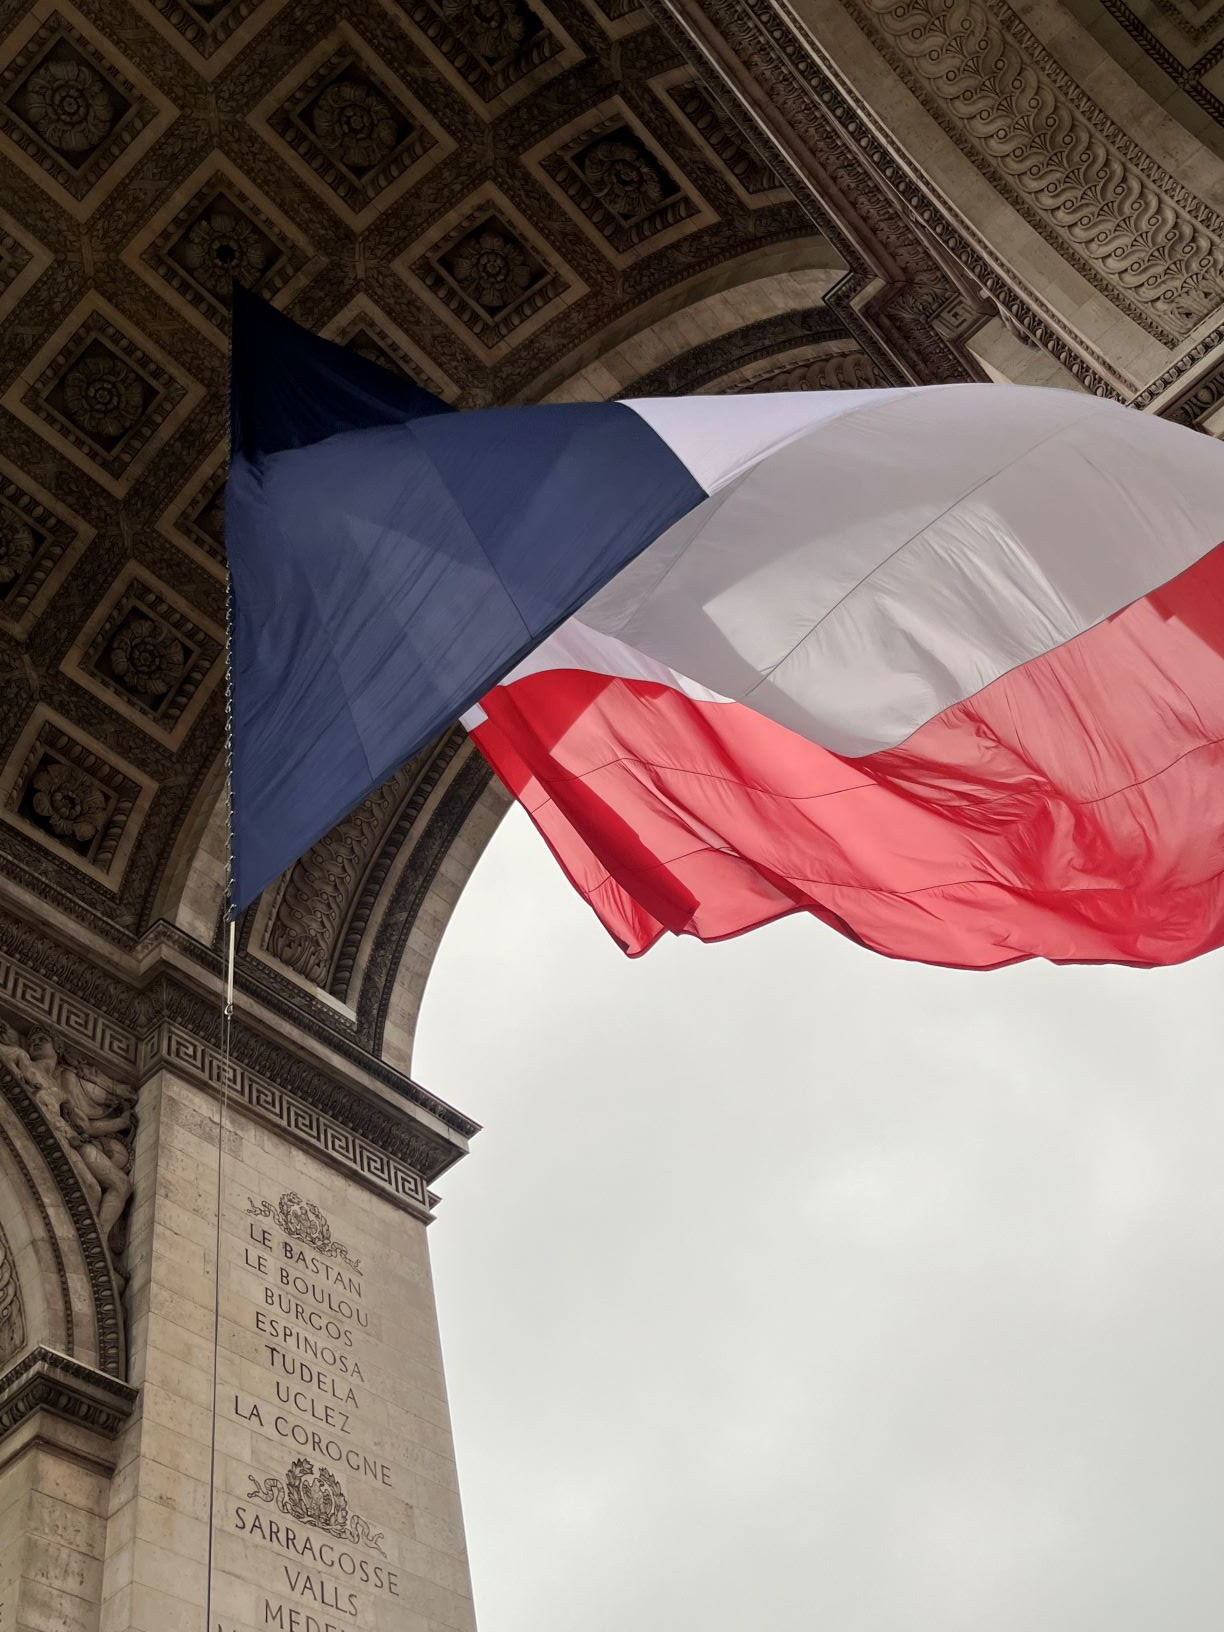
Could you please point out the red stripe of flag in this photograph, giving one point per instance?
(1073, 810)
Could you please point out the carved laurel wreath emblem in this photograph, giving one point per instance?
(315, 1498)
(303, 1221)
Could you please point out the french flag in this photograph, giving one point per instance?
(942, 666)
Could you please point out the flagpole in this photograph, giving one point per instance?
(229, 919)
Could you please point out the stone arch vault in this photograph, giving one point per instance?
(738, 195)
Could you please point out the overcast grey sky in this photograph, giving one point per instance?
(789, 1288)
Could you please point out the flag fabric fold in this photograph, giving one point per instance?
(387, 570)
(942, 666)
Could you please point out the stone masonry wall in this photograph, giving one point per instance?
(337, 1506)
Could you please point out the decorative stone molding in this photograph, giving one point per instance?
(195, 520)
(754, 348)
(46, 985)
(39, 541)
(176, 1049)
(752, 175)
(1197, 404)
(221, 233)
(345, 117)
(312, 908)
(110, 1014)
(77, 113)
(104, 395)
(1198, 78)
(148, 655)
(839, 366)
(206, 27)
(43, 1380)
(35, 1198)
(40, 1102)
(217, 225)
(75, 798)
(495, 53)
(619, 17)
(410, 890)
(21, 261)
(12, 1313)
(356, 148)
(365, 329)
(1141, 238)
(186, 1033)
(613, 178)
(869, 195)
(1164, 388)
(163, 1019)
(490, 274)
(828, 158)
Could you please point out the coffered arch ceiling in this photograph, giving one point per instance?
(484, 196)
(505, 200)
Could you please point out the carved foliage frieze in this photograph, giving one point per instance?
(822, 120)
(318, 892)
(841, 368)
(1140, 237)
(498, 49)
(754, 346)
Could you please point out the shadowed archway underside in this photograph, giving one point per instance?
(585, 198)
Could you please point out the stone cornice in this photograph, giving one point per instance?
(168, 953)
(43, 1380)
(104, 1285)
(886, 219)
(161, 1008)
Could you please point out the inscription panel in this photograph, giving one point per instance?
(336, 1505)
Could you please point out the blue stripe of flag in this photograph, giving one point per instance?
(387, 572)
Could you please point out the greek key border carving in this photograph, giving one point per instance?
(1040, 140)
(174, 1047)
(38, 999)
(845, 142)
